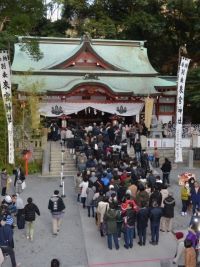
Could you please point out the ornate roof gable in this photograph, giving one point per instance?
(86, 58)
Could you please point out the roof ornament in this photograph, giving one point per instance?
(86, 38)
(89, 76)
(142, 45)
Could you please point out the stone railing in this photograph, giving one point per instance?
(188, 130)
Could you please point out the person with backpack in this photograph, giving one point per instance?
(56, 206)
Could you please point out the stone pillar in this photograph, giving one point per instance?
(190, 158)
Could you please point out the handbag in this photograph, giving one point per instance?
(23, 185)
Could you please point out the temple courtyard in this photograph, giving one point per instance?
(79, 243)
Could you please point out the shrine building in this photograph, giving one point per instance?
(90, 79)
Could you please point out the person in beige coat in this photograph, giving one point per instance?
(102, 207)
(190, 254)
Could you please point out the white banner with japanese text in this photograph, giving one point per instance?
(182, 74)
(5, 83)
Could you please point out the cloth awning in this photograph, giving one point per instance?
(121, 109)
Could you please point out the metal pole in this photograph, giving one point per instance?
(61, 179)
(63, 191)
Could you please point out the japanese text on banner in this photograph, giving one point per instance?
(179, 107)
(5, 83)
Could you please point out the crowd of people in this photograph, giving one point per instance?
(123, 194)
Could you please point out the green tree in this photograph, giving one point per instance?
(20, 17)
(192, 95)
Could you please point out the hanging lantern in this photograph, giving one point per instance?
(102, 113)
(95, 112)
(85, 110)
(89, 110)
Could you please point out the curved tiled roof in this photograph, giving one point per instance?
(131, 73)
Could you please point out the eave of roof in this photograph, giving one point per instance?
(131, 85)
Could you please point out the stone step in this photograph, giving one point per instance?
(66, 173)
(55, 165)
(66, 161)
(58, 168)
(58, 157)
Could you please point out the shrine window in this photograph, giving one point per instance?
(164, 108)
(167, 100)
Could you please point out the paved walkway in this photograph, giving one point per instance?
(79, 243)
(68, 246)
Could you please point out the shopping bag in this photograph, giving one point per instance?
(23, 185)
(21, 222)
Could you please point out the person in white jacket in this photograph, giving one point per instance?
(84, 185)
(179, 255)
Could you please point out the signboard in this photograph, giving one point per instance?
(182, 74)
(5, 83)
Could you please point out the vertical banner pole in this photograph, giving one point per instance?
(5, 83)
(182, 74)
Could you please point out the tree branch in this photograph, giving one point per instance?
(2, 23)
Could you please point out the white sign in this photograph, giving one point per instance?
(182, 74)
(5, 83)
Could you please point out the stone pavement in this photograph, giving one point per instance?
(79, 243)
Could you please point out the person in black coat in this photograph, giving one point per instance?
(168, 213)
(155, 196)
(56, 206)
(155, 215)
(19, 174)
(166, 168)
(129, 226)
(142, 223)
(30, 211)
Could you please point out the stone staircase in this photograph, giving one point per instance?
(55, 167)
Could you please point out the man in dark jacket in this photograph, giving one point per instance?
(195, 197)
(166, 168)
(30, 210)
(56, 206)
(6, 242)
(138, 149)
(155, 196)
(155, 215)
(168, 213)
(129, 223)
(142, 223)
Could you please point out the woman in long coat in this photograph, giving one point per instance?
(4, 178)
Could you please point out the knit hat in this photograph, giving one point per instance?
(8, 199)
(9, 220)
(179, 235)
(56, 192)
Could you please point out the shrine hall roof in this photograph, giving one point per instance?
(130, 69)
